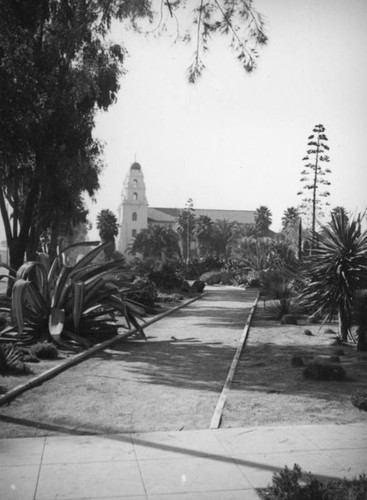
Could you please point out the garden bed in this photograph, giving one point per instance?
(268, 390)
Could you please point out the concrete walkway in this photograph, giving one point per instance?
(198, 464)
(218, 464)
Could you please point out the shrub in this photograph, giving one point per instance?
(254, 283)
(286, 485)
(211, 277)
(289, 319)
(297, 361)
(318, 370)
(144, 292)
(334, 359)
(198, 286)
(339, 352)
(44, 350)
(167, 277)
(10, 360)
(280, 309)
(359, 400)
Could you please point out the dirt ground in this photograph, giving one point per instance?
(268, 390)
(173, 381)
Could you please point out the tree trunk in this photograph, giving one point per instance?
(362, 338)
(343, 325)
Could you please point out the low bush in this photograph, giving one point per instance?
(334, 359)
(319, 370)
(297, 361)
(223, 277)
(198, 286)
(254, 283)
(144, 292)
(289, 319)
(290, 484)
(168, 277)
(279, 309)
(44, 350)
(10, 360)
(359, 400)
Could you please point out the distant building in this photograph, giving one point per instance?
(134, 214)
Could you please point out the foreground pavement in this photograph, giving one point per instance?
(218, 464)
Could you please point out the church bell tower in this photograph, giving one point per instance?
(133, 211)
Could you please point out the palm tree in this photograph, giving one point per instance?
(157, 242)
(336, 270)
(108, 229)
(204, 232)
(226, 235)
(292, 228)
(290, 218)
(263, 220)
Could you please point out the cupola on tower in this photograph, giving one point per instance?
(133, 211)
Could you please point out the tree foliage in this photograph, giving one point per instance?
(157, 242)
(56, 70)
(198, 21)
(263, 220)
(107, 225)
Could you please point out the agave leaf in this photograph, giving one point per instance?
(80, 244)
(53, 269)
(78, 302)
(93, 270)
(17, 299)
(7, 276)
(77, 338)
(10, 269)
(61, 283)
(44, 259)
(90, 256)
(92, 287)
(36, 298)
(38, 276)
(56, 322)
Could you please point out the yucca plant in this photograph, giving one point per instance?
(335, 271)
(73, 304)
(10, 357)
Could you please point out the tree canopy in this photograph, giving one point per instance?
(56, 70)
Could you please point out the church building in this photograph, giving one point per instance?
(134, 214)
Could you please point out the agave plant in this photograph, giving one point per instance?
(336, 269)
(73, 304)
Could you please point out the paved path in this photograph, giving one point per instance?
(197, 464)
(172, 382)
(221, 464)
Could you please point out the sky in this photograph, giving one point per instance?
(236, 140)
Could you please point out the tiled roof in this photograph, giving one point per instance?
(159, 214)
